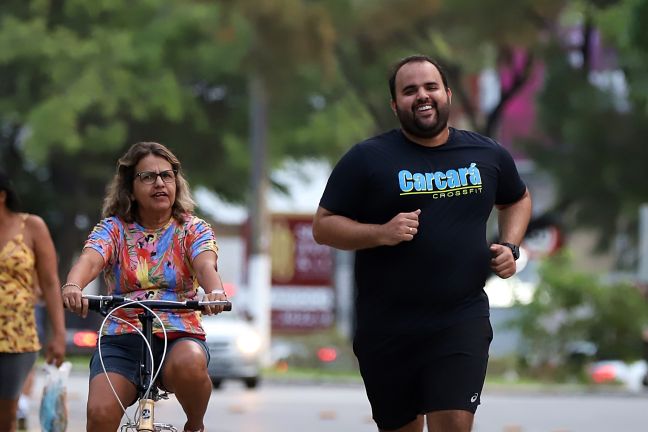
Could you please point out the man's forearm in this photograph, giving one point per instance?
(514, 219)
(343, 233)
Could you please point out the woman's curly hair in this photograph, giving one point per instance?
(118, 200)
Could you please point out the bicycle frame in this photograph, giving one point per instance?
(147, 391)
(147, 405)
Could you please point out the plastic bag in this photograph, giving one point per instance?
(53, 407)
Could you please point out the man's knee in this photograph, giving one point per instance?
(450, 421)
(413, 426)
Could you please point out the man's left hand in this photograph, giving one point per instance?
(502, 262)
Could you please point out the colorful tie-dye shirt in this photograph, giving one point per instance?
(155, 264)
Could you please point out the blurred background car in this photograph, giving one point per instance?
(629, 374)
(235, 349)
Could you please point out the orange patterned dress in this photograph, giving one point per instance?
(17, 297)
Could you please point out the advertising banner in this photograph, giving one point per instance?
(302, 294)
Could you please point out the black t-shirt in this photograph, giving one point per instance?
(436, 279)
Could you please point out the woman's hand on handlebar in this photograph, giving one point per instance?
(73, 300)
(214, 296)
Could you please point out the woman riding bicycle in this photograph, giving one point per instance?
(149, 246)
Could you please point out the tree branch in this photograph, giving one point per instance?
(520, 78)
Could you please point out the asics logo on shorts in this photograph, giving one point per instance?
(474, 397)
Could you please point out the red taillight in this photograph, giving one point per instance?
(326, 355)
(605, 373)
(85, 339)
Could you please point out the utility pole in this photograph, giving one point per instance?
(344, 310)
(642, 273)
(258, 274)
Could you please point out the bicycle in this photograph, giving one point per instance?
(147, 390)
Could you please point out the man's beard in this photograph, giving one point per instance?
(415, 127)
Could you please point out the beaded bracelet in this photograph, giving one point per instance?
(67, 284)
(218, 292)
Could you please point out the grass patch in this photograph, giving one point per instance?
(311, 374)
(80, 363)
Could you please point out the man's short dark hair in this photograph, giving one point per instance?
(413, 59)
(6, 185)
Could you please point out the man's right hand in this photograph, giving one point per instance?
(402, 227)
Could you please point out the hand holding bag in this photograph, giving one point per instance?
(53, 407)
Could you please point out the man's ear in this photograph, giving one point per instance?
(449, 92)
(392, 103)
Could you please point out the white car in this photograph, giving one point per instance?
(631, 375)
(235, 349)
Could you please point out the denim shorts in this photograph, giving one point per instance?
(122, 355)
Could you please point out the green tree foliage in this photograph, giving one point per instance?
(80, 76)
(84, 80)
(593, 133)
(569, 307)
(373, 34)
(624, 26)
(292, 55)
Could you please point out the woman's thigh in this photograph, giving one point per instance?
(14, 368)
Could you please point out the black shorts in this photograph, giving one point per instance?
(405, 376)
(14, 368)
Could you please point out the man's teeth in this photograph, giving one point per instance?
(424, 108)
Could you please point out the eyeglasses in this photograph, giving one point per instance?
(149, 177)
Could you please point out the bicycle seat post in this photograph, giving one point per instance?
(145, 423)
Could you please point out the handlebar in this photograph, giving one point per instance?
(103, 304)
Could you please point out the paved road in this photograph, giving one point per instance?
(319, 408)
(534, 412)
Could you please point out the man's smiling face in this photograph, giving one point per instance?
(422, 102)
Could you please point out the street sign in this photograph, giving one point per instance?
(302, 296)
